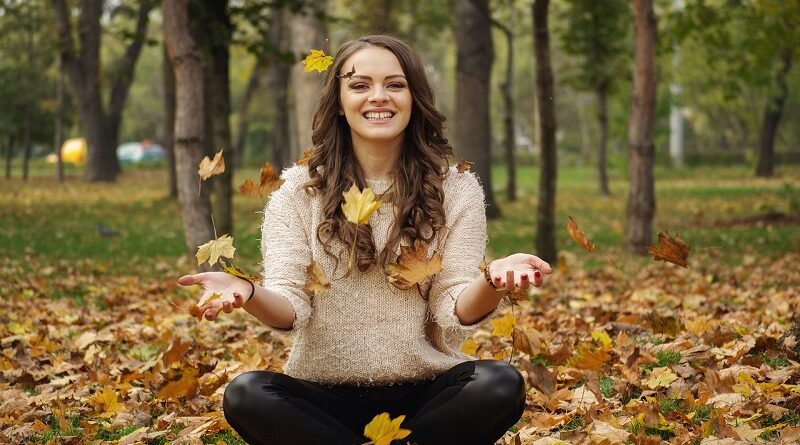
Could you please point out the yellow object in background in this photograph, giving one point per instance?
(74, 151)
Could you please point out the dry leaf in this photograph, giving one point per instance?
(209, 168)
(660, 378)
(669, 249)
(230, 269)
(214, 249)
(185, 387)
(304, 158)
(464, 165)
(176, 350)
(577, 235)
(503, 326)
(413, 266)
(521, 341)
(383, 429)
(315, 279)
(469, 347)
(603, 432)
(268, 183)
(587, 358)
(540, 377)
(106, 402)
(317, 60)
(358, 206)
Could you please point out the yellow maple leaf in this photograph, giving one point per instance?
(184, 387)
(230, 269)
(209, 168)
(106, 402)
(317, 60)
(660, 378)
(504, 325)
(413, 266)
(383, 429)
(602, 338)
(214, 249)
(588, 358)
(358, 205)
(316, 281)
(746, 385)
(469, 347)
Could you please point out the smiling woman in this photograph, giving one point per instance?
(368, 343)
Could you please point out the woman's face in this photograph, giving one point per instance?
(376, 99)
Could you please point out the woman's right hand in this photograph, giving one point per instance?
(232, 291)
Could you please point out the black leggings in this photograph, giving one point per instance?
(475, 402)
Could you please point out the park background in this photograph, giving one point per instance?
(686, 122)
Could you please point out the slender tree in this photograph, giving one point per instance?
(507, 89)
(475, 56)
(169, 123)
(185, 56)
(545, 97)
(772, 116)
(641, 151)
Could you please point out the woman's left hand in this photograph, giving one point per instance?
(519, 270)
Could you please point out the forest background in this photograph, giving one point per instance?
(570, 123)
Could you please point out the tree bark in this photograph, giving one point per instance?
(278, 76)
(475, 56)
(26, 142)
(601, 91)
(187, 61)
(772, 118)
(169, 124)
(220, 106)
(509, 139)
(9, 156)
(307, 32)
(58, 134)
(244, 111)
(641, 151)
(545, 96)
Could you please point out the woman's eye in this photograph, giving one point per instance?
(358, 86)
(396, 85)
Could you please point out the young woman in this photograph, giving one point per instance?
(366, 345)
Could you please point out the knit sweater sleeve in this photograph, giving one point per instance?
(462, 252)
(285, 245)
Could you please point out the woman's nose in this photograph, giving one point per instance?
(379, 95)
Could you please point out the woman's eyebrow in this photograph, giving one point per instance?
(361, 76)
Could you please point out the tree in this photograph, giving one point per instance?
(100, 123)
(185, 57)
(641, 150)
(507, 89)
(475, 56)
(594, 32)
(545, 98)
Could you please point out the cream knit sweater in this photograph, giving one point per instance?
(365, 331)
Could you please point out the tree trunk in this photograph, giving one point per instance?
(9, 156)
(545, 96)
(278, 75)
(220, 107)
(475, 56)
(602, 120)
(58, 134)
(244, 111)
(509, 139)
(307, 32)
(26, 142)
(169, 123)
(772, 118)
(641, 152)
(187, 61)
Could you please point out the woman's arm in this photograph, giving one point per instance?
(270, 308)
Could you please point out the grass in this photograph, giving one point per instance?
(67, 222)
(664, 358)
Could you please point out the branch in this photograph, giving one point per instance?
(64, 30)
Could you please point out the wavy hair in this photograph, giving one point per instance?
(417, 190)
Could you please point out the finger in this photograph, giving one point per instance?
(238, 300)
(510, 280)
(524, 281)
(540, 264)
(211, 313)
(227, 307)
(538, 278)
(188, 280)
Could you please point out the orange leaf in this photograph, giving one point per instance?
(586, 358)
(304, 158)
(176, 350)
(106, 402)
(414, 266)
(209, 168)
(577, 235)
(269, 182)
(669, 249)
(315, 279)
(186, 387)
(464, 165)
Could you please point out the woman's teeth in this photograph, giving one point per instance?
(375, 116)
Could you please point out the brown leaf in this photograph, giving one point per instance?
(587, 358)
(664, 323)
(521, 341)
(268, 183)
(669, 249)
(413, 266)
(176, 350)
(209, 168)
(577, 235)
(304, 158)
(315, 279)
(185, 387)
(464, 165)
(540, 377)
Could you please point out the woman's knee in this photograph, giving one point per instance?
(246, 393)
(500, 382)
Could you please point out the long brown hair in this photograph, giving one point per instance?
(417, 191)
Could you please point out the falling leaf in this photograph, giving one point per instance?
(413, 266)
(469, 347)
(358, 206)
(177, 350)
(209, 168)
(521, 341)
(503, 326)
(464, 165)
(230, 269)
(577, 235)
(214, 249)
(540, 377)
(268, 183)
(383, 429)
(660, 378)
(317, 60)
(669, 249)
(106, 402)
(306, 155)
(348, 74)
(315, 279)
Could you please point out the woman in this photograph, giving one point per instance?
(367, 346)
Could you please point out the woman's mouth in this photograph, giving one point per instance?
(378, 116)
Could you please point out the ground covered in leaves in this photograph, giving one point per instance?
(614, 349)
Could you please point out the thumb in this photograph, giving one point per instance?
(188, 280)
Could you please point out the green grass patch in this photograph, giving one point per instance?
(607, 387)
(669, 405)
(227, 437)
(542, 360)
(104, 434)
(664, 358)
(702, 414)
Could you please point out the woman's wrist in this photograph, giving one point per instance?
(252, 290)
(488, 276)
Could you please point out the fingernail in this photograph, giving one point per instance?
(537, 274)
(524, 276)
